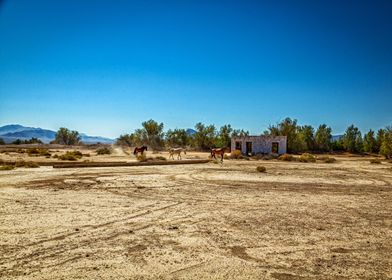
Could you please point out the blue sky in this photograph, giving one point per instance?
(103, 67)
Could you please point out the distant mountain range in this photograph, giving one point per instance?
(12, 132)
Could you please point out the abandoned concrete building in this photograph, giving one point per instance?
(259, 144)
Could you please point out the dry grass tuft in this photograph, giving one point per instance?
(38, 152)
(287, 157)
(71, 155)
(7, 167)
(104, 151)
(375, 161)
(306, 157)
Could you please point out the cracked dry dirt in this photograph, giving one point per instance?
(205, 221)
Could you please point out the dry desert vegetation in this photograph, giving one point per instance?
(202, 221)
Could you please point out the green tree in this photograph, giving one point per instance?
(204, 137)
(17, 142)
(386, 145)
(126, 140)
(64, 136)
(323, 138)
(177, 138)
(288, 127)
(239, 133)
(305, 138)
(223, 138)
(379, 138)
(369, 142)
(151, 134)
(352, 139)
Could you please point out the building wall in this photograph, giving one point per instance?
(261, 144)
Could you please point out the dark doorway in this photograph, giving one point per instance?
(238, 145)
(248, 148)
(275, 148)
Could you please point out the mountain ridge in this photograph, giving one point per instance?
(12, 132)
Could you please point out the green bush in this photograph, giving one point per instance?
(261, 169)
(27, 164)
(307, 158)
(104, 151)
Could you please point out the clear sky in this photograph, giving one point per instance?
(103, 67)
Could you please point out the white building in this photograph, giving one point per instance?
(260, 144)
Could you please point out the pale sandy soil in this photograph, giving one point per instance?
(205, 221)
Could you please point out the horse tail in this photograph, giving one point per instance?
(134, 151)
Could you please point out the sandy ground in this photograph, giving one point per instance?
(205, 221)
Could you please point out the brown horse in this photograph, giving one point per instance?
(139, 150)
(218, 151)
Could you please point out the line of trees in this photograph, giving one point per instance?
(306, 138)
(300, 138)
(203, 137)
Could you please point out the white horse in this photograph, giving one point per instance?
(177, 151)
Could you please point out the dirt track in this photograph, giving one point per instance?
(207, 221)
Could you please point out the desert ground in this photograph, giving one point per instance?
(202, 221)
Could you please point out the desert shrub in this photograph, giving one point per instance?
(261, 169)
(265, 157)
(86, 155)
(236, 154)
(244, 157)
(7, 167)
(38, 152)
(160, 158)
(2, 141)
(27, 164)
(71, 155)
(141, 157)
(307, 158)
(286, 157)
(104, 151)
(258, 157)
(31, 164)
(327, 159)
(375, 161)
(56, 156)
(67, 157)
